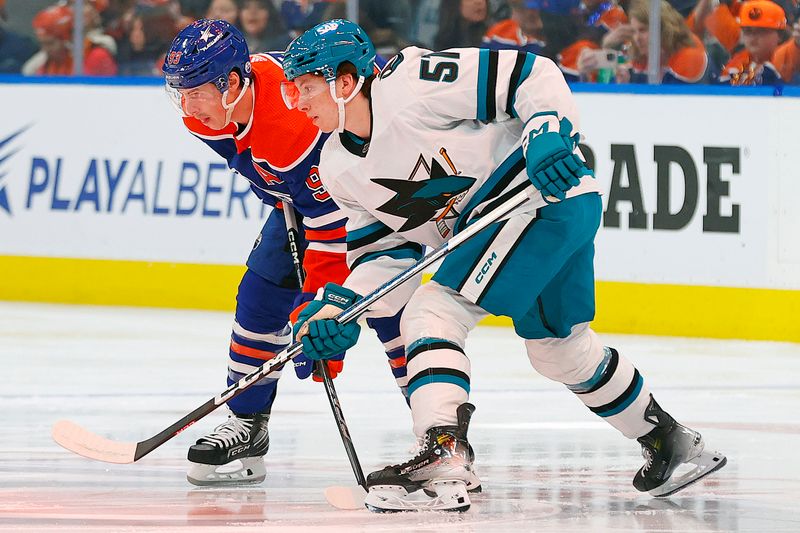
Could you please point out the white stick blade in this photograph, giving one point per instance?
(346, 498)
(83, 442)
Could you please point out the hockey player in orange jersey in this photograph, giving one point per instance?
(232, 102)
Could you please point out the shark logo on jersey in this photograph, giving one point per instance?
(432, 199)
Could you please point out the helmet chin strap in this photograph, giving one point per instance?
(230, 107)
(340, 102)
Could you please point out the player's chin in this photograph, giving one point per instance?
(322, 125)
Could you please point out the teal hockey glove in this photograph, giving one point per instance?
(322, 336)
(552, 166)
(303, 366)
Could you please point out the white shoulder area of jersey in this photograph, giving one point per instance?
(395, 87)
(414, 52)
(400, 67)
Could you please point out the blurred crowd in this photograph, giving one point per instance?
(750, 42)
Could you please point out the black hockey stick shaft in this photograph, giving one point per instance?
(351, 313)
(320, 366)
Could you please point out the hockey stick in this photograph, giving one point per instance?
(83, 442)
(330, 390)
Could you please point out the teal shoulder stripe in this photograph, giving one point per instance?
(363, 232)
(483, 80)
(527, 68)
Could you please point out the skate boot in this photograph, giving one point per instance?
(441, 472)
(667, 448)
(232, 453)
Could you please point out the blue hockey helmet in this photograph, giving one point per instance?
(326, 46)
(206, 51)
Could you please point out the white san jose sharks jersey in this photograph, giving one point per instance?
(446, 144)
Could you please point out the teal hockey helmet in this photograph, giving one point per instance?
(326, 46)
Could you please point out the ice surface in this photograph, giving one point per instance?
(546, 462)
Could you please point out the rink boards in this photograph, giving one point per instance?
(104, 198)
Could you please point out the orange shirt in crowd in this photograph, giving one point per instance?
(787, 60)
(508, 34)
(722, 24)
(97, 61)
(687, 65)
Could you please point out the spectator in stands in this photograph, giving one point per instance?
(461, 23)
(261, 26)
(93, 24)
(386, 23)
(716, 19)
(15, 48)
(423, 24)
(562, 23)
(299, 15)
(116, 18)
(683, 58)
(194, 9)
(787, 56)
(227, 10)
(715, 22)
(579, 60)
(763, 23)
(53, 27)
(152, 28)
(522, 31)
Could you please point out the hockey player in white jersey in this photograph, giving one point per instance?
(433, 142)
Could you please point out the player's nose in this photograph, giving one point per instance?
(192, 108)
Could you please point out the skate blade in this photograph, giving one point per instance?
(706, 463)
(472, 481)
(346, 498)
(451, 495)
(247, 471)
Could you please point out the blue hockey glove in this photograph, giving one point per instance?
(552, 166)
(322, 336)
(304, 367)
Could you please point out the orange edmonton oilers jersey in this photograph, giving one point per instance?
(278, 152)
(687, 65)
(278, 141)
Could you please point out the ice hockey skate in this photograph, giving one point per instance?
(233, 453)
(438, 478)
(675, 455)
